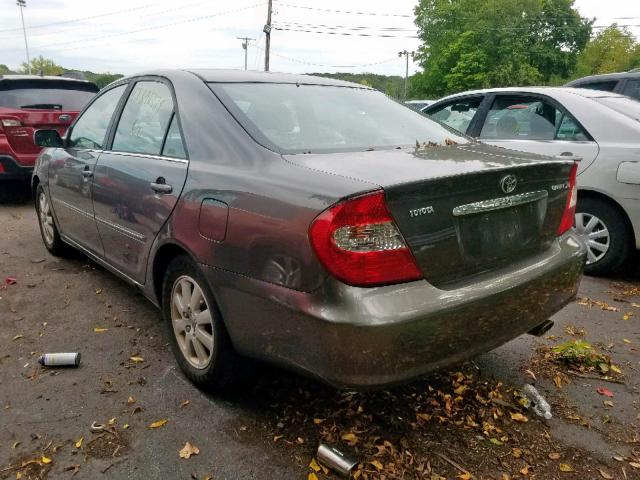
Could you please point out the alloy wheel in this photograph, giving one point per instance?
(46, 218)
(595, 235)
(192, 322)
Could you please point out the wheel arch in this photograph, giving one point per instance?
(35, 181)
(587, 193)
(161, 260)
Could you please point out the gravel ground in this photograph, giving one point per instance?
(269, 428)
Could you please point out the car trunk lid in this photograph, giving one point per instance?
(462, 210)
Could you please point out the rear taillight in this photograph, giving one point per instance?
(359, 243)
(10, 122)
(572, 199)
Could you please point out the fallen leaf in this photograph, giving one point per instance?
(516, 452)
(277, 437)
(185, 403)
(518, 417)
(616, 369)
(525, 470)
(136, 359)
(15, 444)
(350, 438)
(608, 403)
(314, 465)
(125, 426)
(377, 464)
(17, 337)
(100, 330)
(460, 390)
(318, 421)
(112, 421)
(626, 340)
(79, 442)
(465, 476)
(159, 423)
(10, 281)
(495, 441)
(189, 450)
(554, 456)
(131, 401)
(605, 391)
(605, 475)
(74, 468)
(312, 476)
(558, 381)
(565, 467)
(635, 465)
(531, 374)
(98, 291)
(46, 460)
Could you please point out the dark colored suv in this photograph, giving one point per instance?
(31, 102)
(625, 83)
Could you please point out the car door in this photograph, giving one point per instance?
(139, 179)
(457, 114)
(72, 168)
(537, 124)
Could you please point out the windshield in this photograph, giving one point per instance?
(46, 94)
(626, 106)
(292, 118)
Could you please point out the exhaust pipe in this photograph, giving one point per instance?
(541, 329)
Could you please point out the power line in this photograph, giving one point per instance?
(156, 27)
(354, 34)
(346, 27)
(377, 14)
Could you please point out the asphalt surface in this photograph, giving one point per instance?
(56, 305)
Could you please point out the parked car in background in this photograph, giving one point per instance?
(418, 105)
(601, 128)
(624, 83)
(30, 102)
(293, 219)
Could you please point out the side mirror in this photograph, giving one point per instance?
(47, 138)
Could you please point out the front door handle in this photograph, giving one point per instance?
(161, 187)
(86, 173)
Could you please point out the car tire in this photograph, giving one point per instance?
(198, 337)
(606, 233)
(48, 229)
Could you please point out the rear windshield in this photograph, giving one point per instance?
(46, 94)
(292, 118)
(625, 106)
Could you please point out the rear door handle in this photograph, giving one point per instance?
(87, 173)
(161, 187)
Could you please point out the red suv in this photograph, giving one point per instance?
(31, 102)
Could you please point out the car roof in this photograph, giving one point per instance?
(251, 76)
(41, 78)
(605, 76)
(550, 91)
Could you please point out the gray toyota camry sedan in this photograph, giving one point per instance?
(309, 222)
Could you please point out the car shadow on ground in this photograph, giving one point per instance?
(13, 192)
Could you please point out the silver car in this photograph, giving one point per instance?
(601, 128)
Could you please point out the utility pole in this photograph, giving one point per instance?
(267, 32)
(406, 70)
(23, 4)
(245, 47)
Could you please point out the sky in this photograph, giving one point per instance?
(128, 36)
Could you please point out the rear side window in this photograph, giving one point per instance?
(46, 94)
(173, 145)
(605, 86)
(458, 114)
(529, 118)
(145, 119)
(91, 128)
(632, 89)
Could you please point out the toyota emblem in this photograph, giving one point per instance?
(508, 183)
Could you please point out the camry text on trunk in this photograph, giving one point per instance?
(309, 222)
(31, 102)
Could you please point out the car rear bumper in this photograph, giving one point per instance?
(372, 337)
(12, 170)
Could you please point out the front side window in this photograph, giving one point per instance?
(144, 119)
(298, 118)
(632, 89)
(529, 118)
(91, 128)
(458, 114)
(606, 86)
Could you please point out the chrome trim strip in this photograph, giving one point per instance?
(125, 231)
(73, 208)
(499, 203)
(144, 155)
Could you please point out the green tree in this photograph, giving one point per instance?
(488, 43)
(614, 49)
(4, 69)
(44, 65)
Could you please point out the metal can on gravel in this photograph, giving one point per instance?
(59, 359)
